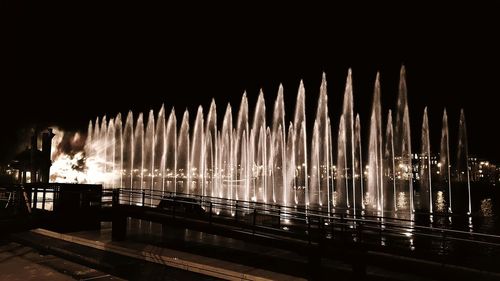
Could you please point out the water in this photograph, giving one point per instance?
(425, 191)
(375, 161)
(389, 204)
(358, 203)
(444, 178)
(320, 193)
(182, 174)
(300, 157)
(462, 175)
(402, 151)
(279, 163)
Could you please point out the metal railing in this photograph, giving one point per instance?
(49, 196)
(14, 199)
(313, 226)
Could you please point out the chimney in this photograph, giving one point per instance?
(46, 152)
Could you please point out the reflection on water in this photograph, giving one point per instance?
(440, 202)
(486, 207)
(402, 201)
(409, 235)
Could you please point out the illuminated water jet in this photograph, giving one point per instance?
(278, 163)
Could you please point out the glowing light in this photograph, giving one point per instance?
(258, 162)
(76, 167)
(440, 201)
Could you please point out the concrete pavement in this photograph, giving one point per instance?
(21, 263)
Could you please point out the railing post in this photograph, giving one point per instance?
(332, 226)
(35, 197)
(254, 219)
(143, 197)
(321, 229)
(116, 197)
(56, 198)
(360, 233)
(279, 218)
(236, 211)
(309, 231)
(380, 227)
(210, 214)
(43, 198)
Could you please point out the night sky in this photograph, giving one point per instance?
(68, 63)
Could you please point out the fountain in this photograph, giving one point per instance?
(127, 152)
(402, 150)
(425, 202)
(278, 163)
(358, 203)
(182, 173)
(444, 161)
(389, 189)
(462, 180)
(320, 192)
(375, 161)
(159, 150)
(299, 171)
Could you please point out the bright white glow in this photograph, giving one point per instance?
(74, 168)
(255, 158)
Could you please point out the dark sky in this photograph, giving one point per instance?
(68, 63)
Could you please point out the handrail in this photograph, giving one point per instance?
(295, 209)
(385, 223)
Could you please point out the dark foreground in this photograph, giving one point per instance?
(149, 250)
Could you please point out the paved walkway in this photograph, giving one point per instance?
(211, 255)
(21, 263)
(177, 259)
(173, 253)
